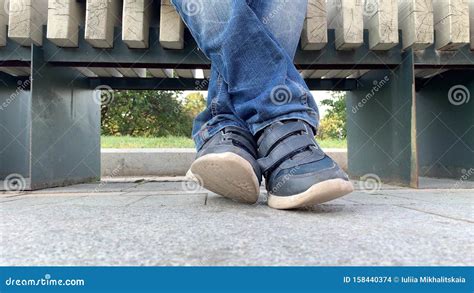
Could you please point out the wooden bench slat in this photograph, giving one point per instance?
(171, 27)
(26, 20)
(105, 72)
(306, 73)
(3, 23)
(101, 17)
(471, 22)
(428, 73)
(319, 73)
(315, 29)
(133, 72)
(415, 19)
(86, 71)
(186, 73)
(64, 18)
(451, 18)
(160, 73)
(338, 73)
(16, 71)
(206, 73)
(381, 18)
(346, 17)
(136, 23)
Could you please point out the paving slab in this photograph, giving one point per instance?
(166, 223)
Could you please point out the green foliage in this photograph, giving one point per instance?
(333, 125)
(194, 104)
(145, 113)
(160, 113)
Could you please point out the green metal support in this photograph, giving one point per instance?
(381, 128)
(445, 122)
(50, 131)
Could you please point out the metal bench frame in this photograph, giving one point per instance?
(50, 129)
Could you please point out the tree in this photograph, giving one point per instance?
(145, 113)
(333, 125)
(194, 104)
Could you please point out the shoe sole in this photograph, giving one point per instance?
(226, 174)
(316, 194)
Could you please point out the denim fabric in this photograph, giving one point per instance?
(251, 45)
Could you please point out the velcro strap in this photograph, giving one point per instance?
(278, 134)
(285, 149)
(239, 131)
(242, 141)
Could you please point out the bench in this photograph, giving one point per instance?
(408, 66)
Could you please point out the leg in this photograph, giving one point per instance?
(285, 26)
(259, 73)
(267, 92)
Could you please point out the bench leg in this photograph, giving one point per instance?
(381, 128)
(15, 107)
(445, 119)
(65, 133)
(59, 124)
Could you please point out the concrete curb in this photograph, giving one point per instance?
(165, 162)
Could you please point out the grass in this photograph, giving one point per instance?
(122, 142)
(333, 143)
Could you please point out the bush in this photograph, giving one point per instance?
(194, 104)
(145, 113)
(333, 125)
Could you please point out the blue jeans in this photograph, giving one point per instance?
(251, 45)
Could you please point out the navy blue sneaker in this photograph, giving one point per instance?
(226, 164)
(297, 172)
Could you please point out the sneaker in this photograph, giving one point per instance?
(226, 165)
(297, 172)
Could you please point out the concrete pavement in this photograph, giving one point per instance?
(174, 222)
